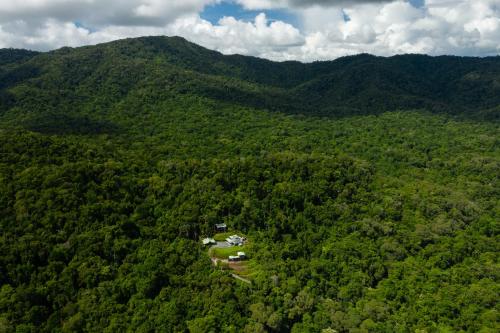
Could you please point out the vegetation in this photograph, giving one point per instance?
(222, 236)
(365, 213)
(224, 253)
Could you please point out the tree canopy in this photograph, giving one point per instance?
(369, 187)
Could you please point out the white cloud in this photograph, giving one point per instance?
(268, 4)
(262, 4)
(48, 24)
(463, 27)
(101, 13)
(259, 38)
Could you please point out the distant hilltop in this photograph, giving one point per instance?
(361, 84)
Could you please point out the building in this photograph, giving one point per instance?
(221, 227)
(239, 257)
(208, 241)
(235, 240)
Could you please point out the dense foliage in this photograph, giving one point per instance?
(116, 159)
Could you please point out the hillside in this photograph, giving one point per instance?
(369, 187)
(361, 84)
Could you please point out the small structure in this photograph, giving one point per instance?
(239, 257)
(235, 240)
(221, 227)
(208, 241)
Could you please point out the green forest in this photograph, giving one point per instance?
(368, 186)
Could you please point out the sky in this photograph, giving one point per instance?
(304, 30)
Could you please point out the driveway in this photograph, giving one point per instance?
(221, 245)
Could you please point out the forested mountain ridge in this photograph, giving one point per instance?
(369, 188)
(360, 84)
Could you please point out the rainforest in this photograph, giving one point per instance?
(368, 189)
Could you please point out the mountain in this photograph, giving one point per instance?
(360, 84)
(367, 187)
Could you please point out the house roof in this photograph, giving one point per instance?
(208, 241)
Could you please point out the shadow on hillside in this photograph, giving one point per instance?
(62, 124)
(19, 74)
(344, 107)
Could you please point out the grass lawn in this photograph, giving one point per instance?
(224, 253)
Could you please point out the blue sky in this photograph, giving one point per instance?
(213, 13)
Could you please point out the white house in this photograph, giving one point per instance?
(240, 256)
(235, 240)
(208, 241)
